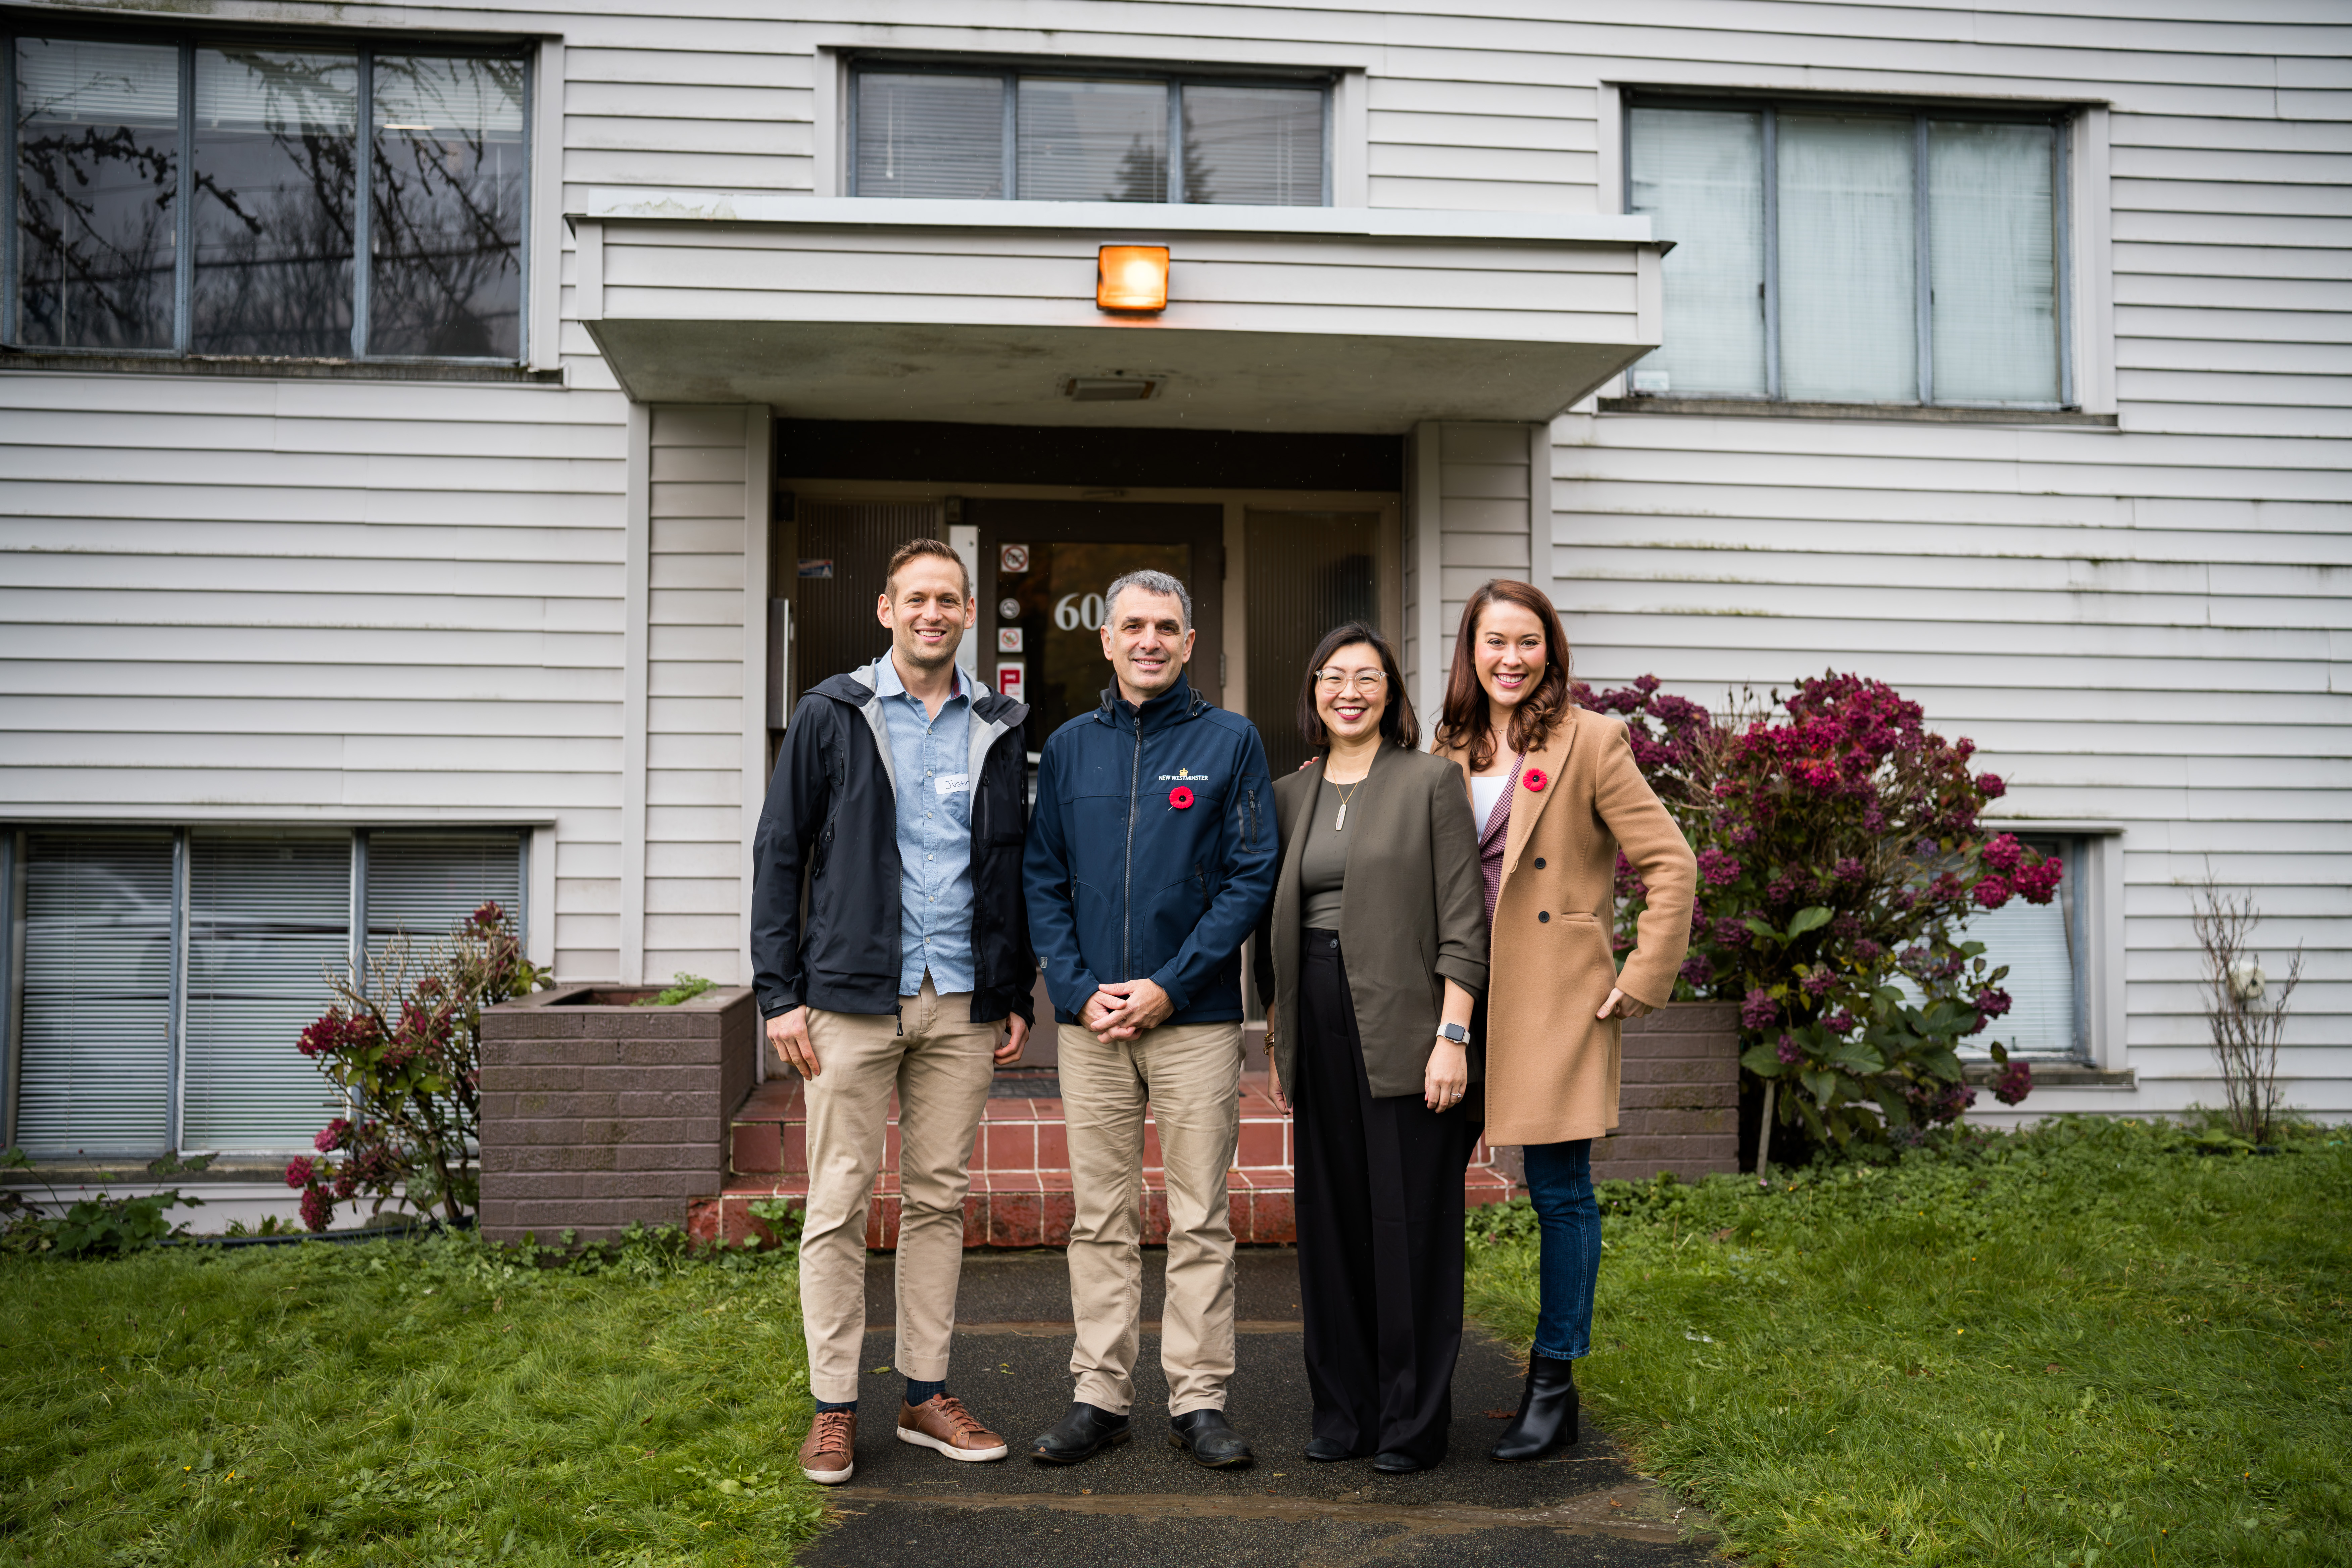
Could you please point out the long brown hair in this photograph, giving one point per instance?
(1462, 725)
(1397, 726)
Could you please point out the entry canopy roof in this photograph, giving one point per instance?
(1278, 319)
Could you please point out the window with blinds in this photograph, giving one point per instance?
(166, 973)
(1042, 136)
(1831, 254)
(94, 1041)
(2042, 946)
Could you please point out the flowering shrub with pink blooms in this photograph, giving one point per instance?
(406, 1053)
(1839, 853)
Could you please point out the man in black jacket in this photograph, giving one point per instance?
(898, 813)
(1152, 853)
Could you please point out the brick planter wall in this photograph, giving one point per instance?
(595, 1113)
(1678, 1104)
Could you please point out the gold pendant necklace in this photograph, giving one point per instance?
(1340, 823)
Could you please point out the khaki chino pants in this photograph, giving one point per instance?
(940, 1066)
(1189, 1076)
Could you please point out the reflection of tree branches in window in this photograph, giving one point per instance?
(448, 266)
(1143, 175)
(274, 252)
(97, 230)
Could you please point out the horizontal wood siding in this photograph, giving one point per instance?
(694, 695)
(317, 600)
(2147, 626)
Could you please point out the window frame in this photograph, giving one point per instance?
(1176, 78)
(2061, 121)
(188, 41)
(14, 860)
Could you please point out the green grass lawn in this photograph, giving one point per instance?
(2079, 1346)
(399, 1402)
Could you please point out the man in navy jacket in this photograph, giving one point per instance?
(1151, 853)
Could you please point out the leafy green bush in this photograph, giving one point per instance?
(101, 1225)
(1839, 857)
(407, 1055)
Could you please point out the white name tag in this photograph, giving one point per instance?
(951, 783)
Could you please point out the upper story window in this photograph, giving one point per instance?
(1829, 254)
(1020, 136)
(203, 197)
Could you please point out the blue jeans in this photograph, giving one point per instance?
(1560, 1179)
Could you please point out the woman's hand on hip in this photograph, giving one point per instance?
(1447, 1077)
(1621, 1005)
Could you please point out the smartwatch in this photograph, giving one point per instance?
(1455, 1032)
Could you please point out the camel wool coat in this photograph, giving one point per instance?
(1551, 1066)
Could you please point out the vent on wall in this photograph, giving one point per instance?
(1108, 389)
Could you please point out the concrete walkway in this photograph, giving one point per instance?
(1146, 1504)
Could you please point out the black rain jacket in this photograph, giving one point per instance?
(830, 828)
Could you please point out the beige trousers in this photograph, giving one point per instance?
(941, 1068)
(1189, 1077)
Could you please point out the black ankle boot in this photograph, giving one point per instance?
(1547, 1417)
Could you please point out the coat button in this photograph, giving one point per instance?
(1544, 916)
(1538, 862)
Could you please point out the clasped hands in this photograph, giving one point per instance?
(1122, 1009)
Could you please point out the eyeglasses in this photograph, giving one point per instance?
(1369, 682)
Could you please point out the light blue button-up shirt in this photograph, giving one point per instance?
(931, 758)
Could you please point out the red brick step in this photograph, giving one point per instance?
(1021, 1187)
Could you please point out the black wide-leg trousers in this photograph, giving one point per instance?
(1380, 1232)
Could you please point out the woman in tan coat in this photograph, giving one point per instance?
(1556, 794)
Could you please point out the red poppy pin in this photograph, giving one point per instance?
(1180, 798)
(1535, 779)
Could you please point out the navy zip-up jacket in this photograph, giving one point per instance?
(1152, 852)
(825, 872)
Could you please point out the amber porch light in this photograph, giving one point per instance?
(1131, 278)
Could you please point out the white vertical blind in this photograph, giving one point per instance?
(1093, 140)
(1993, 262)
(1259, 146)
(266, 913)
(930, 135)
(423, 883)
(1849, 294)
(2031, 938)
(95, 1070)
(1700, 175)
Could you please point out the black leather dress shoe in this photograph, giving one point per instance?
(1328, 1450)
(1085, 1432)
(1547, 1417)
(1204, 1435)
(1395, 1464)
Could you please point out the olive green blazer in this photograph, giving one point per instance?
(1413, 915)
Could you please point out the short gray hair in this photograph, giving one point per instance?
(1150, 583)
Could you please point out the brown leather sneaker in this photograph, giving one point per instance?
(827, 1456)
(942, 1422)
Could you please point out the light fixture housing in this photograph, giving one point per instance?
(1131, 278)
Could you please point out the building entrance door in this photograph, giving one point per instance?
(1043, 567)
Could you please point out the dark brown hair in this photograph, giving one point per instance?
(1461, 726)
(1397, 726)
(914, 548)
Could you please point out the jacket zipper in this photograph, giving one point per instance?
(1126, 901)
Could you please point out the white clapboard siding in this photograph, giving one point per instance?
(336, 601)
(694, 685)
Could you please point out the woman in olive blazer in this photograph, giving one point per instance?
(1558, 795)
(1372, 956)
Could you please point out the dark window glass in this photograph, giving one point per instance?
(276, 151)
(97, 167)
(941, 136)
(1259, 146)
(446, 274)
(1093, 140)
